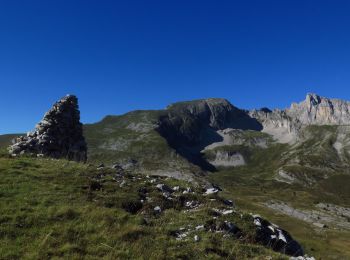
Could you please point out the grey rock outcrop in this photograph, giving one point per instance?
(278, 239)
(285, 125)
(58, 135)
(316, 110)
(190, 126)
(186, 121)
(228, 158)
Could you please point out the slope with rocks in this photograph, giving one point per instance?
(169, 141)
(104, 212)
(132, 140)
(257, 156)
(189, 138)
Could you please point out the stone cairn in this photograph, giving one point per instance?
(58, 135)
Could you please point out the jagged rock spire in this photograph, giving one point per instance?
(59, 134)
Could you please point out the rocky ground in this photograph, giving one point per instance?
(155, 197)
(323, 216)
(135, 208)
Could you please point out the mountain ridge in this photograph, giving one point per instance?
(212, 142)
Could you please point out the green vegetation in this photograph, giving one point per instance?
(50, 209)
(5, 140)
(254, 184)
(60, 209)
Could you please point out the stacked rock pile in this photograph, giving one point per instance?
(58, 135)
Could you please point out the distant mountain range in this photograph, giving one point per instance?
(192, 137)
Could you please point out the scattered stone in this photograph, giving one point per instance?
(188, 190)
(131, 163)
(167, 195)
(216, 187)
(196, 238)
(230, 227)
(220, 212)
(164, 188)
(200, 227)
(192, 204)
(117, 167)
(305, 257)
(226, 212)
(182, 236)
(211, 191)
(157, 210)
(319, 225)
(228, 203)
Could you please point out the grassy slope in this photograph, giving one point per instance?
(254, 184)
(5, 140)
(249, 185)
(133, 136)
(48, 211)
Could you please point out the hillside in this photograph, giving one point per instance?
(290, 166)
(68, 210)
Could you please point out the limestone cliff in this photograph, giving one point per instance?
(285, 125)
(316, 110)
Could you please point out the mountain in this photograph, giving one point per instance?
(192, 138)
(289, 165)
(314, 110)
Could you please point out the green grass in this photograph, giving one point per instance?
(52, 209)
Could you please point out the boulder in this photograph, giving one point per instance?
(278, 239)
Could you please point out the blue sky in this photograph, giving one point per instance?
(118, 56)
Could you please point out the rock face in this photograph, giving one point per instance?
(190, 126)
(285, 125)
(228, 158)
(59, 134)
(316, 110)
(185, 121)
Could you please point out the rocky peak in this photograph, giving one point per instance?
(59, 134)
(214, 111)
(314, 110)
(313, 99)
(317, 110)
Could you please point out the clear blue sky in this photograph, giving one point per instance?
(118, 56)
